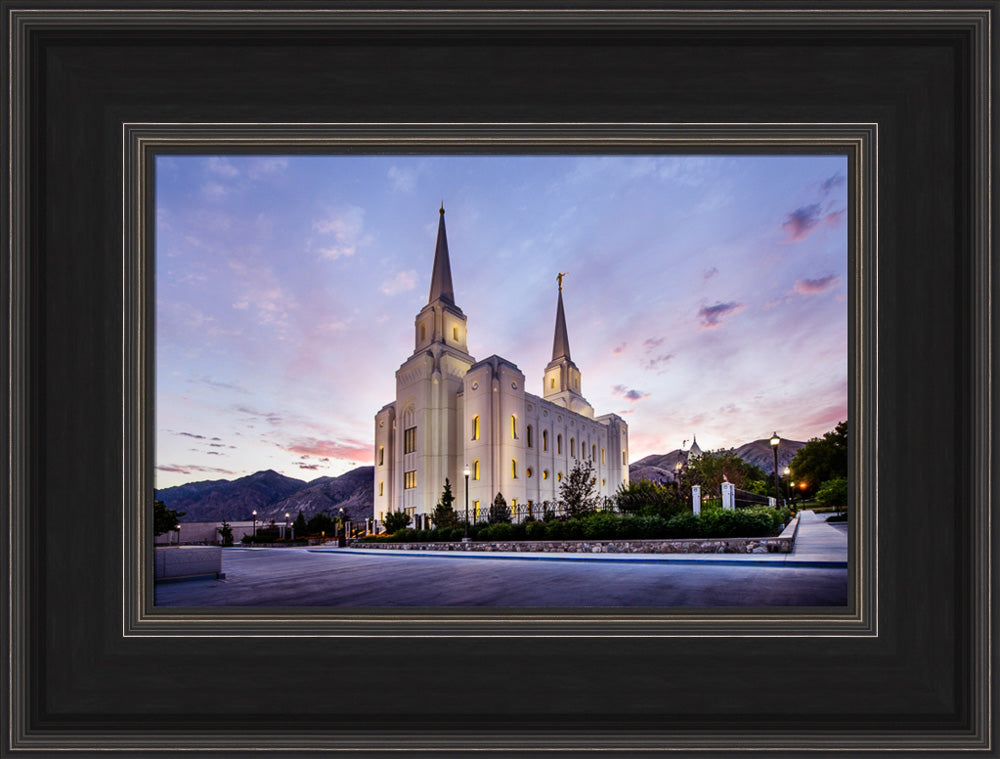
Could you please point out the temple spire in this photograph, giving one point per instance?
(560, 344)
(441, 288)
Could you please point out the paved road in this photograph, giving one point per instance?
(298, 577)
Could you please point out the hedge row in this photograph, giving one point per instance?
(754, 522)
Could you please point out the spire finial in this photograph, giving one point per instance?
(442, 206)
(559, 279)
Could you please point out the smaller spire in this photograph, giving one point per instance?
(560, 342)
(441, 288)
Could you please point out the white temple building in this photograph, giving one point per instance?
(452, 412)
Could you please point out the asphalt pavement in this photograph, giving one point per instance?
(814, 574)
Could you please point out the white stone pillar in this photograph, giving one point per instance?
(728, 495)
(696, 499)
(772, 501)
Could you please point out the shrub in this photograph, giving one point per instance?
(497, 532)
(499, 510)
(535, 530)
(602, 525)
(684, 525)
(395, 521)
(404, 535)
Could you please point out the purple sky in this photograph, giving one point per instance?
(705, 295)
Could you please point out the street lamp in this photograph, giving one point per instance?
(775, 440)
(466, 472)
(286, 525)
(255, 524)
(677, 476)
(178, 528)
(787, 473)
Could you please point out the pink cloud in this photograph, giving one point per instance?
(815, 286)
(348, 450)
(802, 221)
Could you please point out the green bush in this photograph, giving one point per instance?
(601, 525)
(395, 521)
(833, 494)
(684, 525)
(535, 530)
(404, 535)
(497, 532)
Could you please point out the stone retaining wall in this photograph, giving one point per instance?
(783, 543)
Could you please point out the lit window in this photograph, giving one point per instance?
(410, 480)
(454, 334)
(475, 511)
(513, 426)
(552, 383)
(545, 440)
(559, 444)
(381, 488)
(624, 458)
(545, 474)
(603, 482)
(409, 440)
(423, 331)
(604, 458)
(513, 468)
(558, 476)
(513, 508)
(529, 472)
(381, 455)
(475, 427)
(529, 436)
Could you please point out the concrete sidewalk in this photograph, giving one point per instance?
(817, 544)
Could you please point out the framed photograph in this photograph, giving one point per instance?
(175, 249)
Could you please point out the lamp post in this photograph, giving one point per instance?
(286, 525)
(787, 473)
(677, 476)
(255, 524)
(178, 528)
(775, 440)
(466, 472)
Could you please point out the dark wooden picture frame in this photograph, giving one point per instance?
(88, 672)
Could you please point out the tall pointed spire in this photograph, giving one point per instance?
(441, 288)
(560, 343)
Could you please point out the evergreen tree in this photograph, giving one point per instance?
(301, 528)
(444, 513)
(164, 519)
(499, 510)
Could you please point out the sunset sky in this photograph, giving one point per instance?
(705, 295)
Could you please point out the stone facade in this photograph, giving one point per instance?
(780, 544)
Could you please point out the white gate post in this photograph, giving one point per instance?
(772, 501)
(696, 499)
(728, 495)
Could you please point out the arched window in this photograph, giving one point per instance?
(545, 440)
(624, 458)
(381, 455)
(545, 474)
(529, 472)
(603, 482)
(475, 427)
(381, 488)
(572, 446)
(558, 476)
(515, 511)
(513, 426)
(423, 332)
(513, 468)
(559, 444)
(454, 334)
(475, 469)
(475, 511)
(530, 442)
(552, 383)
(604, 458)
(593, 452)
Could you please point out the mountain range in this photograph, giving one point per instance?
(273, 494)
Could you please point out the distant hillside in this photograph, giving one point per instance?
(759, 453)
(271, 494)
(659, 467)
